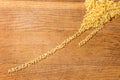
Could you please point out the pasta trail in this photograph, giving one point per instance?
(98, 13)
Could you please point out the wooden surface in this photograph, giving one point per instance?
(30, 28)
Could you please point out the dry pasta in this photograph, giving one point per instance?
(103, 10)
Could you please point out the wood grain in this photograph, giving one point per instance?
(30, 28)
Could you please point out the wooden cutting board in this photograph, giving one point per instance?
(30, 28)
